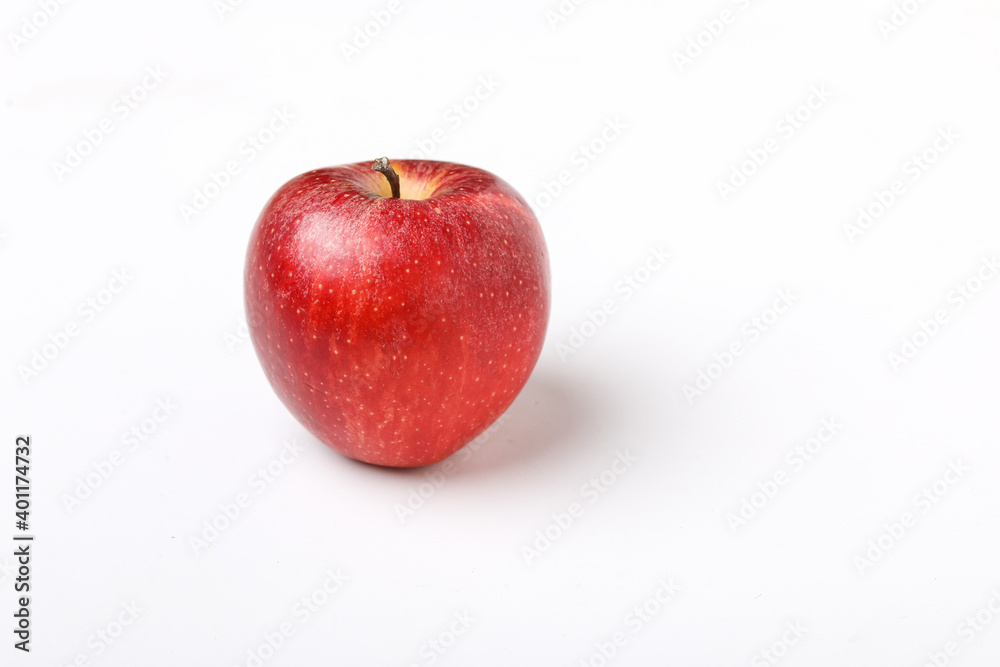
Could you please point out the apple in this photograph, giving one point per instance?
(397, 308)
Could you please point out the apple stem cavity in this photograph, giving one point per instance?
(382, 166)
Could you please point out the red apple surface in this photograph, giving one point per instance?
(397, 321)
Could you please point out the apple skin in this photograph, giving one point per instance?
(397, 330)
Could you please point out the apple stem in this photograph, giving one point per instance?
(382, 165)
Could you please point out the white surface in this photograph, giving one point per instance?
(168, 335)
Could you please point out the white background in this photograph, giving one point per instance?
(174, 333)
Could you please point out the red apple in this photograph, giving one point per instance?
(397, 318)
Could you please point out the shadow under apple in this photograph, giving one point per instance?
(541, 429)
